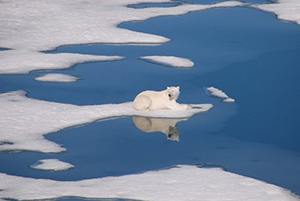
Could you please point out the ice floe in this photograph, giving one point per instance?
(56, 77)
(30, 27)
(24, 120)
(52, 165)
(66, 22)
(182, 182)
(214, 92)
(24, 61)
(171, 61)
(287, 10)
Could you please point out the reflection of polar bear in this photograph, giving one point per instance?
(159, 100)
(166, 126)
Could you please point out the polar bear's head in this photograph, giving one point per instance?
(173, 93)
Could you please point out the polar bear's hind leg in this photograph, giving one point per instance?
(142, 103)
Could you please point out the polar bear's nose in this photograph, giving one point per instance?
(169, 95)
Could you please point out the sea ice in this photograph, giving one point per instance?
(212, 91)
(287, 10)
(25, 34)
(24, 120)
(170, 61)
(52, 165)
(24, 61)
(182, 182)
(66, 22)
(29, 27)
(56, 77)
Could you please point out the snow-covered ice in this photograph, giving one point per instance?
(170, 61)
(52, 165)
(287, 10)
(44, 25)
(57, 77)
(214, 92)
(30, 27)
(24, 61)
(182, 182)
(24, 120)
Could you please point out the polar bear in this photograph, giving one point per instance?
(159, 100)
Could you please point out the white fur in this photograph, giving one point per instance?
(159, 100)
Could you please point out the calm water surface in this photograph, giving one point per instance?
(249, 54)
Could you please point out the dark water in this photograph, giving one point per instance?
(249, 54)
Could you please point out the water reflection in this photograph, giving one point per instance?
(166, 126)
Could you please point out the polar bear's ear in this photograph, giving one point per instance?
(168, 88)
(178, 87)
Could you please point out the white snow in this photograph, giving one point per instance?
(57, 77)
(24, 61)
(287, 10)
(29, 27)
(212, 91)
(52, 165)
(170, 61)
(43, 25)
(181, 182)
(24, 120)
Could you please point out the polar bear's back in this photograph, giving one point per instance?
(150, 93)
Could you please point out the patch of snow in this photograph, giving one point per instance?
(214, 92)
(44, 25)
(287, 10)
(170, 61)
(29, 27)
(24, 61)
(228, 100)
(24, 120)
(56, 77)
(182, 182)
(52, 165)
